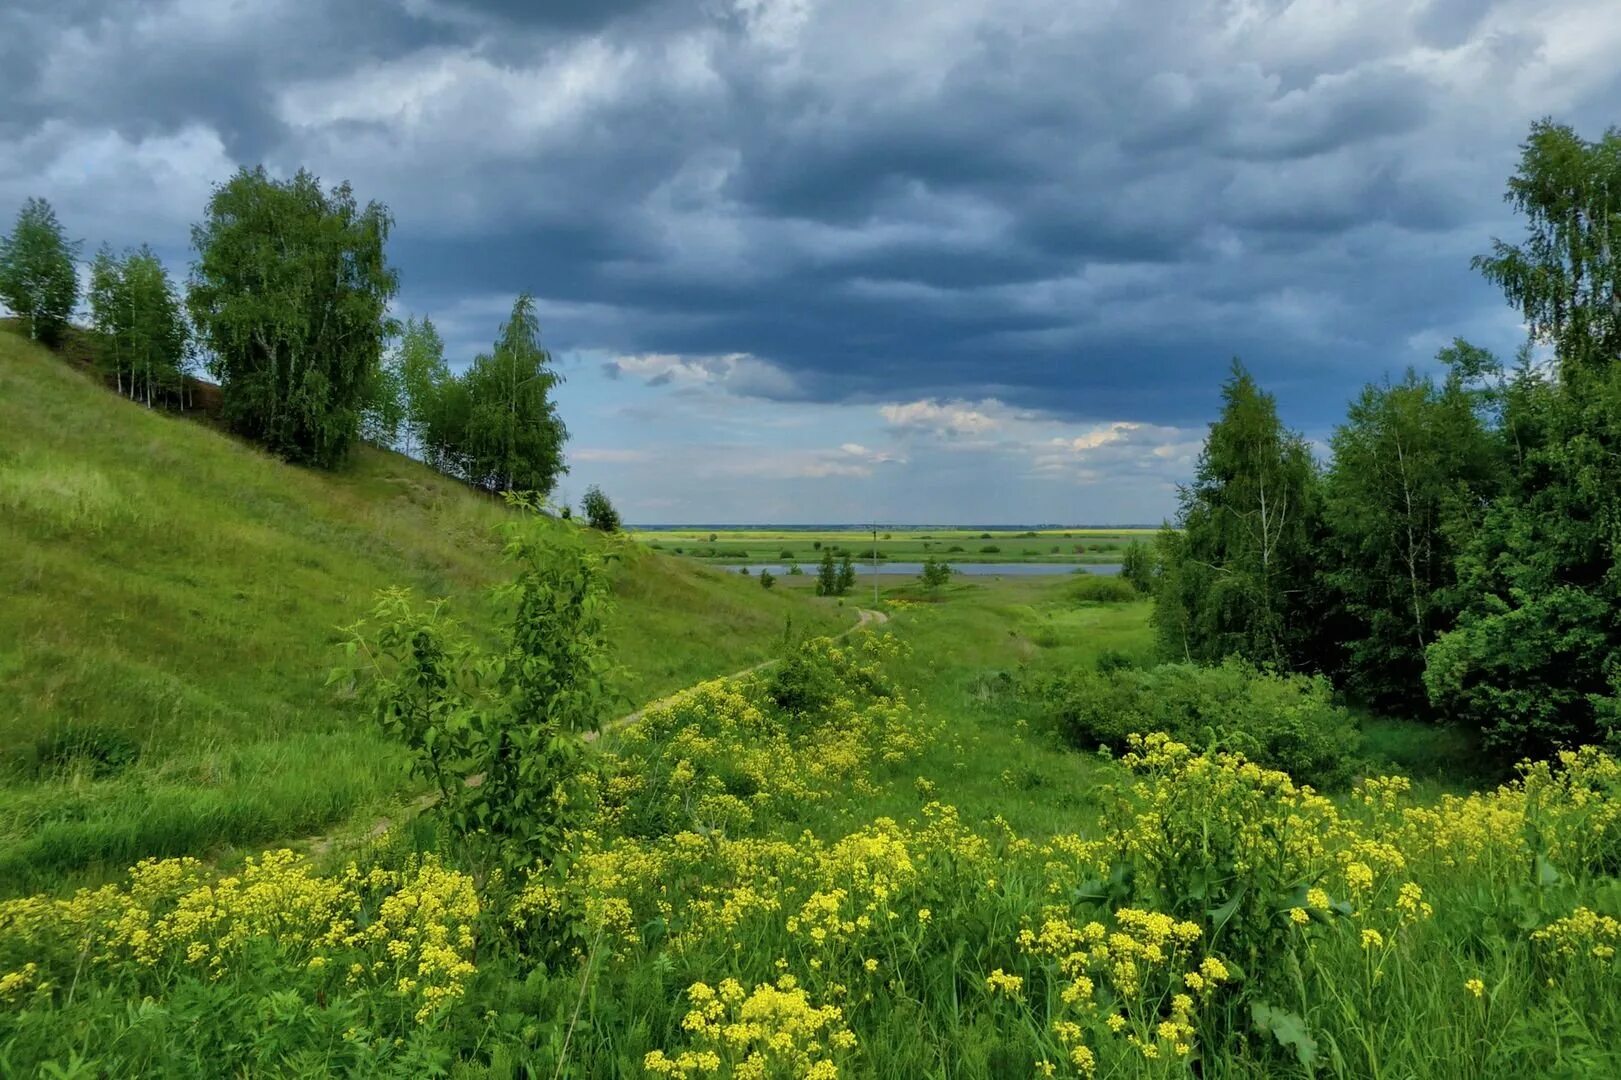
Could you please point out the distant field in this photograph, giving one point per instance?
(1074, 545)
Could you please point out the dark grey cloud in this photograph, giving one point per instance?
(1085, 208)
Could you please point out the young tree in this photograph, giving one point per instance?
(827, 575)
(1137, 566)
(515, 715)
(513, 439)
(290, 292)
(423, 378)
(37, 279)
(847, 576)
(1244, 556)
(598, 511)
(1413, 466)
(935, 574)
(135, 308)
(384, 410)
(767, 579)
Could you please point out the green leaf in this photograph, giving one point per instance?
(1288, 1029)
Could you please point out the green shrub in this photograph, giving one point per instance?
(1284, 721)
(1092, 588)
(989, 549)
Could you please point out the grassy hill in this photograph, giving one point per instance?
(169, 598)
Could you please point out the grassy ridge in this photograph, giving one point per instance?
(168, 602)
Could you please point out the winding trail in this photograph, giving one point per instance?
(322, 844)
(865, 617)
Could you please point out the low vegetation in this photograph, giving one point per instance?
(1282, 721)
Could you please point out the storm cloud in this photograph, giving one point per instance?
(1075, 211)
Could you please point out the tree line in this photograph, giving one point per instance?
(287, 302)
(1459, 553)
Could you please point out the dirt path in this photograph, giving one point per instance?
(322, 844)
(865, 617)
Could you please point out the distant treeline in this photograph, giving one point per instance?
(1457, 556)
(287, 306)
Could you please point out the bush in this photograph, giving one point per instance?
(1092, 588)
(1287, 722)
(955, 547)
(989, 549)
(785, 555)
(767, 579)
(599, 511)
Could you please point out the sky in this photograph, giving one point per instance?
(964, 261)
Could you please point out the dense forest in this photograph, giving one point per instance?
(1458, 556)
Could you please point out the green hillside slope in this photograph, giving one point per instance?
(169, 598)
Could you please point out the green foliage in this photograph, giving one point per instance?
(767, 579)
(936, 573)
(37, 278)
(289, 292)
(1535, 661)
(1137, 566)
(496, 425)
(385, 410)
(1284, 721)
(498, 733)
(1565, 278)
(420, 361)
(846, 577)
(1234, 581)
(599, 512)
(1413, 465)
(827, 575)
(1090, 588)
(143, 326)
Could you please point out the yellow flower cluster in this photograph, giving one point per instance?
(409, 930)
(773, 1031)
(1583, 938)
(1146, 963)
(720, 755)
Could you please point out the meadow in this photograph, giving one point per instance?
(878, 858)
(232, 846)
(805, 546)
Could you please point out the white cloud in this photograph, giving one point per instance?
(946, 418)
(739, 374)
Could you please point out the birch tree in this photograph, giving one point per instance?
(289, 293)
(1413, 468)
(37, 277)
(1246, 525)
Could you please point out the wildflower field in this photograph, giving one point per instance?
(769, 878)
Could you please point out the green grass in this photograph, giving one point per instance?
(1067, 545)
(180, 592)
(969, 643)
